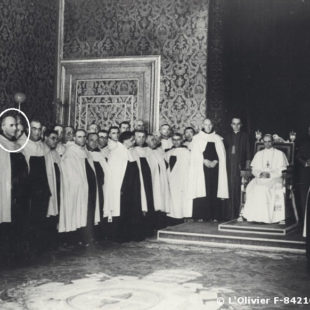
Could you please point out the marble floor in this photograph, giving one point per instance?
(158, 276)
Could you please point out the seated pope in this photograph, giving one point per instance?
(265, 200)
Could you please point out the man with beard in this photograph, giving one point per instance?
(13, 191)
(79, 206)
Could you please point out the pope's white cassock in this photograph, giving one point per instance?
(178, 160)
(265, 196)
(74, 189)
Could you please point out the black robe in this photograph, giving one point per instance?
(13, 234)
(209, 207)
(238, 153)
(130, 222)
(100, 182)
(88, 231)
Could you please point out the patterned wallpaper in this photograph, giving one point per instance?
(28, 48)
(175, 29)
(106, 102)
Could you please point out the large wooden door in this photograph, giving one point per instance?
(109, 91)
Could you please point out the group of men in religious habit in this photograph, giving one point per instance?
(80, 186)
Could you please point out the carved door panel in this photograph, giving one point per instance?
(109, 91)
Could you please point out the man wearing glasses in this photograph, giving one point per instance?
(264, 194)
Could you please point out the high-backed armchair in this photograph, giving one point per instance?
(288, 148)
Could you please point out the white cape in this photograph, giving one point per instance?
(35, 149)
(51, 157)
(196, 172)
(118, 158)
(181, 202)
(5, 179)
(100, 158)
(159, 180)
(74, 190)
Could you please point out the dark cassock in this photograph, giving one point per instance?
(14, 206)
(122, 205)
(79, 207)
(178, 159)
(303, 174)
(39, 193)
(208, 185)
(140, 154)
(238, 155)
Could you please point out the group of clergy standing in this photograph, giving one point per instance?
(124, 184)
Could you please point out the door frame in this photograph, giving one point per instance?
(153, 61)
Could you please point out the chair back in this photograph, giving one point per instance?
(288, 148)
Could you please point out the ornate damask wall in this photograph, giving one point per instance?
(175, 29)
(28, 48)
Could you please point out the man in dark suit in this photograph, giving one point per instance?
(238, 157)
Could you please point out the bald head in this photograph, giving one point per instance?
(8, 127)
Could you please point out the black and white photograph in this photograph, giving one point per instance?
(154, 154)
